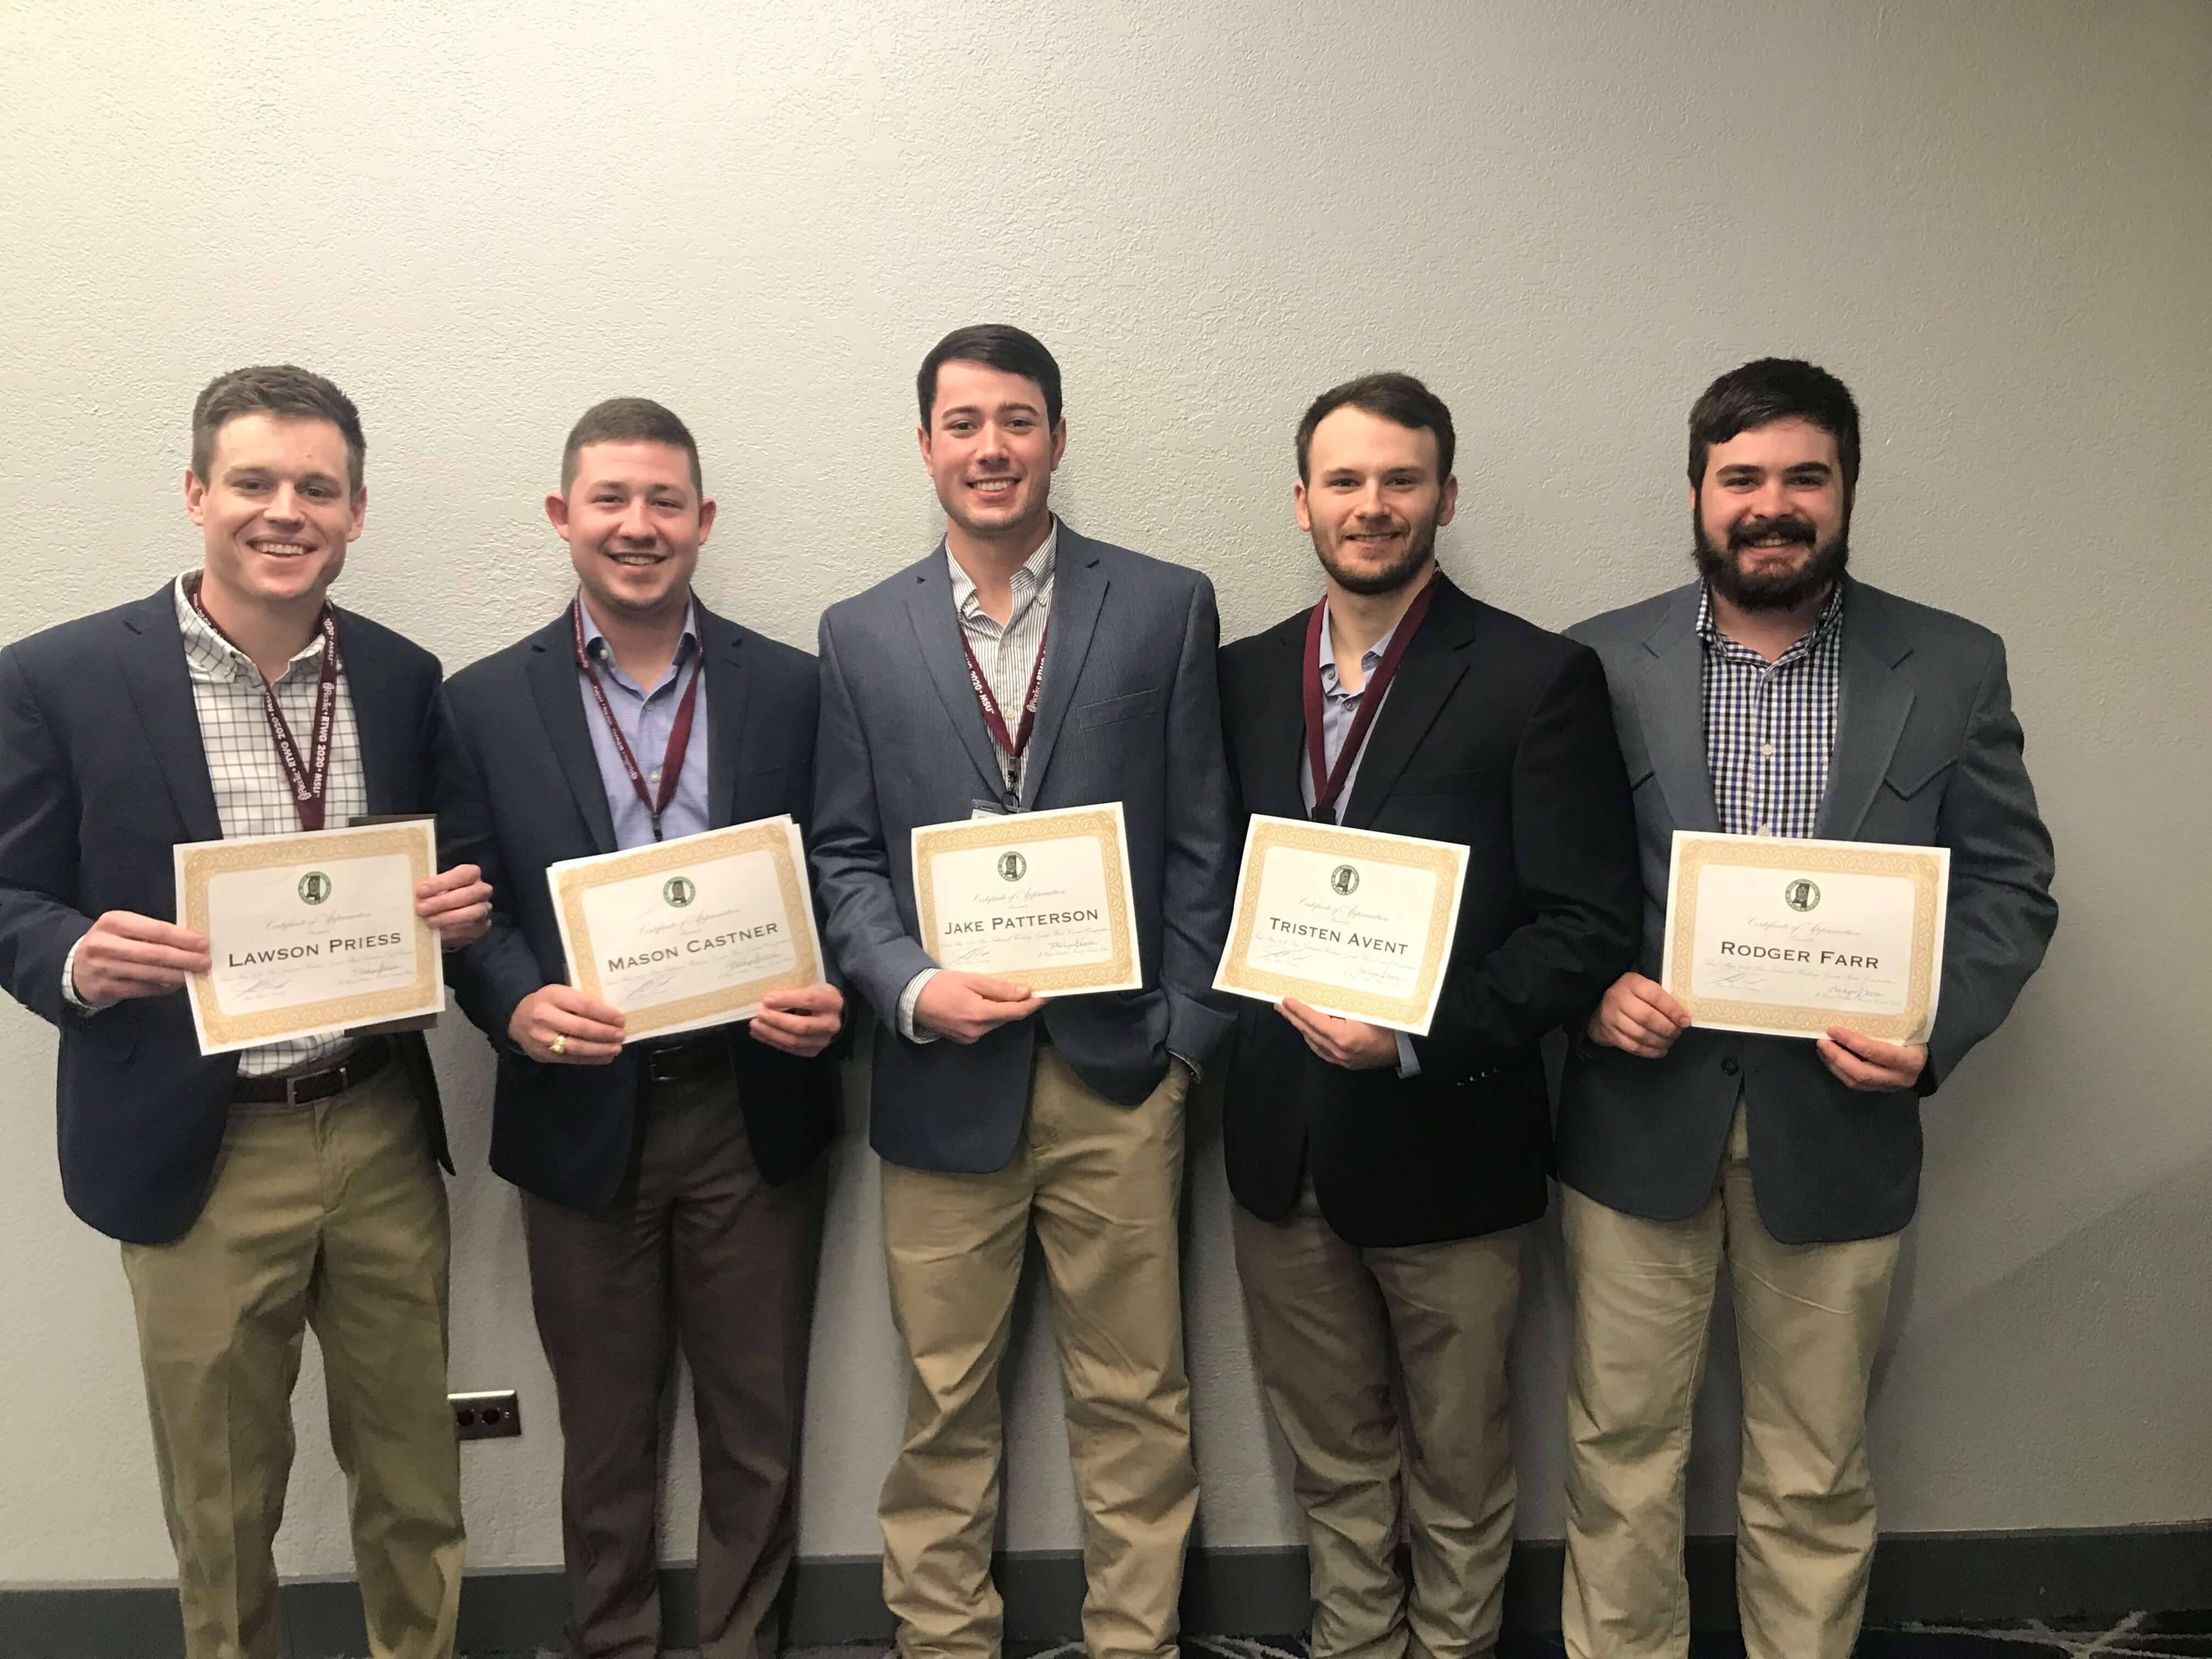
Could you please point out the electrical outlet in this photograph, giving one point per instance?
(491, 1415)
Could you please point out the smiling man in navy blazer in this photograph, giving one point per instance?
(673, 1189)
(295, 1183)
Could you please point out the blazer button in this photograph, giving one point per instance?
(1730, 1067)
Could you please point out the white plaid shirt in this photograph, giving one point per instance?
(1769, 727)
(253, 797)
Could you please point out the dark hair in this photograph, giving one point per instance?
(1399, 398)
(279, 389)
(629, 421)
(1770, 390)
(997, 345)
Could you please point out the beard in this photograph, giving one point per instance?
(1420, 548)
(1788, 590)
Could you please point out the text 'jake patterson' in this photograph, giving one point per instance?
(1009, 924)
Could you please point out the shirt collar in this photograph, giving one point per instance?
(1038, 567)
(218, 657)
(595, 642)
(1368, 659)
(1831, 618)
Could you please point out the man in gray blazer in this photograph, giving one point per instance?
(1774, 697)
(1019, 666)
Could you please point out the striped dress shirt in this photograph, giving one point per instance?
(1769, 727)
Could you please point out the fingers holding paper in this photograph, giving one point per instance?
(456, 903)
(1868, 1064)
(1351, 1043)
(559, 1025)
(127, 955)
(1640, 1016)
(803, 1022)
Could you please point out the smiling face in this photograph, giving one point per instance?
(276, 513)
(1373, 501)
(1771, 518)
(633, 523)
(990, 452)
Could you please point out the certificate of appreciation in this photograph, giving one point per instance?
(1042, 897)
(311, 934)
(693, 932)
(1351, 922)
(1787, 938)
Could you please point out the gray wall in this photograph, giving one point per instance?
(1993, 219)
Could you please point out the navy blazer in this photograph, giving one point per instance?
(521, 789)
(1499, 736)
(1927, 754)
(102, 773)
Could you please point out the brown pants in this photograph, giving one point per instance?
(1103, 1184)
(700, 1252)
(1808, 1318)
(332, 1215)
(1337, 1329)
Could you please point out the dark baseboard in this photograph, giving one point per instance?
(1947, 1578)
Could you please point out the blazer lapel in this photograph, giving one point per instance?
(1079, 593)
(1670, 705)
(1875, 700)
(368, 685)
(1278, 741)
(937, 632)
(1436, 660)
(153, 652)
(728, 707)
(551, 670)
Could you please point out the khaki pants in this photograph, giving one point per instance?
(698, 1251)
(1332, 1325)
(1103, 1185)
(1808, 1317)
(332, 1215)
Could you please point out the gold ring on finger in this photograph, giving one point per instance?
(560, 1044)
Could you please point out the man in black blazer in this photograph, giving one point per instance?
(1382, 1180)
(673, 1189)
(295, 1183)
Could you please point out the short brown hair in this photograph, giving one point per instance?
(629, 421)
(1399, 398)
(280, 389)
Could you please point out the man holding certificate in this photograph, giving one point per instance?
(1018, 670)
(672, 1183)
(1778, 700)
(1383, 1180)
(257, 1188)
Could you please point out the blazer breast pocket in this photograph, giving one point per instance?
(1911, 772)
(1108, 710)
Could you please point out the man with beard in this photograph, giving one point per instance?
(1383, 1182)
(1775, 695)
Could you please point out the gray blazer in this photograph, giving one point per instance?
(1927, 753)
(1128, 711)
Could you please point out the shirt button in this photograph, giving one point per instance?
(1768, 750)
(1766, 828)
(656, 775)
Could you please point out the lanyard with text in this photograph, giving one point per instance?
(1327, 780)
(1011, 744)
(679, 735)
(309, 779)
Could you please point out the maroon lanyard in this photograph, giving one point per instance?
(1329, 781)
(309, 780)
(679, 735)
(1010, 743)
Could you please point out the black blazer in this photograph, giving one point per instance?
(1499, 736)
(521, 789)
(102, 773)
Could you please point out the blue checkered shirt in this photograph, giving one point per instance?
(1769, 727)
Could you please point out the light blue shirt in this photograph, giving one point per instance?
(646, 718)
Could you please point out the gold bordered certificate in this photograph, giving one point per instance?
(311, 934)
(1351, 921)
(692, 931)
(1040, 897)
(1787, 938)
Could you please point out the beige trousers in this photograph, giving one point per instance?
(331, 1215)
(1334, 1327)
(1808, 1318)
(1102, 1185)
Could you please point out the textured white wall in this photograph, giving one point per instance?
(1993, 219)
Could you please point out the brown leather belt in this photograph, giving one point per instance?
(688, 1059)
(298, 1089)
